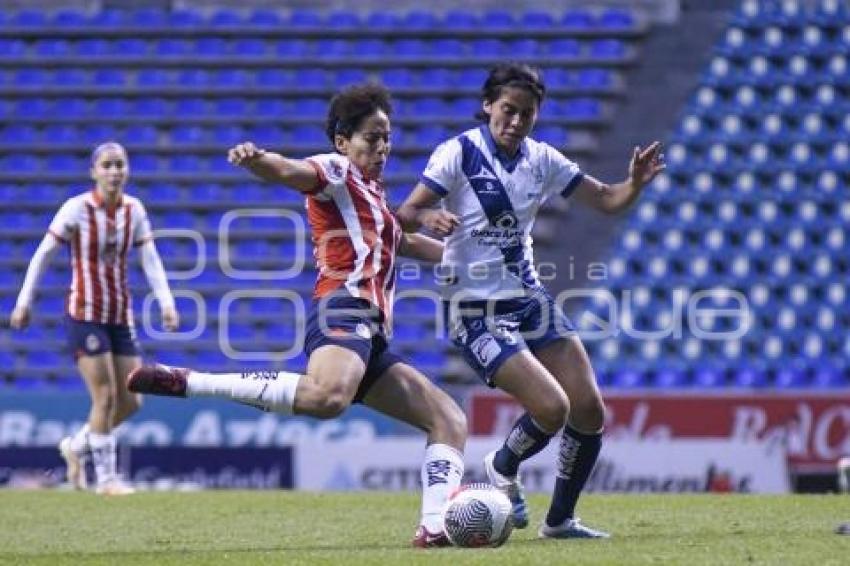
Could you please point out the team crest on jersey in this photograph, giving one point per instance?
(506, 220)
(336, 168)
(485, 349)
(537, 174)
(92, 342)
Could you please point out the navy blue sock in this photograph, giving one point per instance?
(575, 462)
(525, 440)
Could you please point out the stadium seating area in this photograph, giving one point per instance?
(177, 88)
(755, 200)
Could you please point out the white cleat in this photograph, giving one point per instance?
(510, 487)
(115, 487)
(76, 473)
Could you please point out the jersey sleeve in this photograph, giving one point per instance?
(330, 170)
(443, 171)
(63, 224)
(561, 175)
(142, 231)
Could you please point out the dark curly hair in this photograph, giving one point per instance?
(350, 106)
(512, 74)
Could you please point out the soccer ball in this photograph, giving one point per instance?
(478, 515)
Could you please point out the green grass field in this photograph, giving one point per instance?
(238, 527)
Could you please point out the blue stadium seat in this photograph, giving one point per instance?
(12, 48)
(616, 18)
(108, 17)
(19, 133)
(212, 47)
(131, 47)
(293, 48)
(607, 49)
(305, 18)
(250, 47)
(398, 78)
(460, 19)
(418, 19)
(151, 107)
(168, 47)
(578, 18)
(68, 18)
(223, 17)
(109, 77)
(149, 17)
(95, 134)
(261, 17)
(62, 134)
(29, 18)
(343, 20)
(31, 77)
(141, 134)
(498, 19)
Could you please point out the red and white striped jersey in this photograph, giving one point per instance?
(99, 239)
(355, 236)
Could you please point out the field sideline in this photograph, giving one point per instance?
(239, 527)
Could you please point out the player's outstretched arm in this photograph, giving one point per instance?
(275, 168)
(40, 260)
(643, 167)
(418, 210)
(420, 246)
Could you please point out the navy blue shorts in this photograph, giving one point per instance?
(94, 338)
(490, 332)
(357, 325)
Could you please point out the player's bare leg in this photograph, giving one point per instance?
(99, 374)
(405, 394)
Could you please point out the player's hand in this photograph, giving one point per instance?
(20, 318)
(440, 222)
(244, 153)
(170, 319)
(646, 164)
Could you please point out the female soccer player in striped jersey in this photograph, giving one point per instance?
(492, 180)
(356, 240)
(99, 227)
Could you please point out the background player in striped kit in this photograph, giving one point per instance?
(492, 180)
(99, 227)
(356, 240)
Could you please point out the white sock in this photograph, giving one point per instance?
(104, 457)
(268, 390)
(80, 441)
(442, 471)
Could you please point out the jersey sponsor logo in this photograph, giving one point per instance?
(485, 349)
(484, 173)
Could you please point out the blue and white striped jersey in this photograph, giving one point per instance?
(496, 199)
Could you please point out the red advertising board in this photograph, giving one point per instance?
(815, 428)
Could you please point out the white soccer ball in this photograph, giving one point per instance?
(478, 515)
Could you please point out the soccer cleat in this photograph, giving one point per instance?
(510, 487)
(76, 470)
(114, 487)
(158, 380)
(571, 528)
(426, 539)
